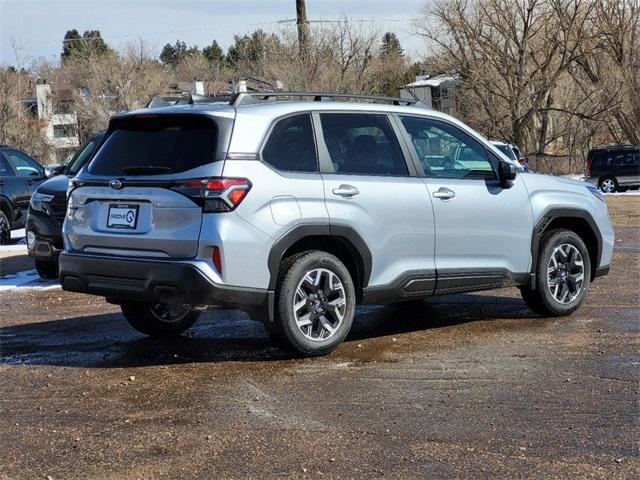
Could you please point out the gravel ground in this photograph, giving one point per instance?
(468, 386)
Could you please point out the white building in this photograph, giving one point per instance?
(437, 92)
(59, 122)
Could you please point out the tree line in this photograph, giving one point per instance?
(553, 76)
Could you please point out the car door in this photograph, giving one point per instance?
(371, 186)
(483, 229)
(18, 185)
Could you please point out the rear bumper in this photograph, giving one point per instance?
(123, 279)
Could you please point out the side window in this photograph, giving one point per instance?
(636, 159)
(23, 165)
(620, 160)
(290, 145)
(446, 151)
(603, 160)
(5, 169)
(82, 157)
(362, 144)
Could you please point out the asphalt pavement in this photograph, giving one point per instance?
(463, 386)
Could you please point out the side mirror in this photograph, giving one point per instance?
(54, 169)
(506, 172)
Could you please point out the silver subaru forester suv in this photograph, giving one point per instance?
(295, 209)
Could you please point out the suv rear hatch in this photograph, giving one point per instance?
(141, 193)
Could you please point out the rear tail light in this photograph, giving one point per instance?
(215, 194)
(587, 168)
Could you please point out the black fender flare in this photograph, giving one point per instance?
(553, 214)
(344, 233)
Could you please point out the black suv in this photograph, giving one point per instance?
(47, 210)
(20, 175)
(614, 168)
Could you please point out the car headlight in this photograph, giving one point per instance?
(597, 193)
(38, 201)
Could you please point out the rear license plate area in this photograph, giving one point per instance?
(122, 216)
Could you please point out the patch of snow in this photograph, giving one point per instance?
(628, 193)
(26, 280)
(19, 247)
(18, 234)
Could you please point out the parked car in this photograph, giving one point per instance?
(20, 175)
(47, 210)
(513, 153)
(614, 167)
(295, 211)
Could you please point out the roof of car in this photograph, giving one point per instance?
(278, 108)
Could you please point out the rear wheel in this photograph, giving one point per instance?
(159, 319)
(46, 269)
(315, 304)
(562, 277)
(5, 229)
(608, 184)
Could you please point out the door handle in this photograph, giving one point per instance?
(444, 193)
(347, 191)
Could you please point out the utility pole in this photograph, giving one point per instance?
(303, 30)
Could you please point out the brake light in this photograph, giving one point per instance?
(220, 194)
(587, 169)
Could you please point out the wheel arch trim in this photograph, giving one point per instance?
(550, 216)
(343, 233)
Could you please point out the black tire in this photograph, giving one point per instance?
(605, 182)
(47, 270)
(285, 332)
(5, 229)
(540, 299)
(146, 318)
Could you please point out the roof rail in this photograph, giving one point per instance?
(187, 99)
(248, 98)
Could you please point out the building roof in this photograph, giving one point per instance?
(436, 81)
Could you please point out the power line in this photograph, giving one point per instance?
(211, 27)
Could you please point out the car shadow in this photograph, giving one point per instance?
(107, 341)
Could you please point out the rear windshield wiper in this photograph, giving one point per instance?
(145, 169)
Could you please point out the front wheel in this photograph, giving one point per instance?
(315, 304)
(159, 319)
(47, 270)
(5, 229)
(563, 275)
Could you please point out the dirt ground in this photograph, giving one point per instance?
(467, 386)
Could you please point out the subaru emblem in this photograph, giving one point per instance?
(115, 184)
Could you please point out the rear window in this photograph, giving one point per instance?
(156, 145)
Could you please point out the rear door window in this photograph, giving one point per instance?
(362, 144)
(156, 145)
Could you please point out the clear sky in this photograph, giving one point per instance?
(38, 26)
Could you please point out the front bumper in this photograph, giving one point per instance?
(126, 279)
(48, 236)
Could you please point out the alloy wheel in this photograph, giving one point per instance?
(608, 185)
(319, 304)
(168, 313)
(5, 231)
(565, 273)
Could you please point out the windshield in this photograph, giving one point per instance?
(156, 144)
(83, 155)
